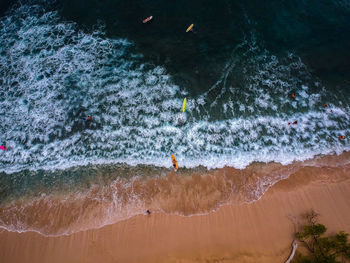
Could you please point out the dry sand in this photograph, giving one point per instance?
(256, 232)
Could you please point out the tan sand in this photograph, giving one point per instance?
(256, 232)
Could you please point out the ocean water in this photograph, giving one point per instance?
(61, 61)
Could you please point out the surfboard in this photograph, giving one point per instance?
(189, 28)
(147, 19)
(174, 162)
(184, 105)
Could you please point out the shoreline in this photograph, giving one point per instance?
(248, 232)
(105, 195)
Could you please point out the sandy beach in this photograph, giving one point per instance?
(257, 232)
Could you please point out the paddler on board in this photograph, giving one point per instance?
(184, 105)
(147, 19)
(190, 28)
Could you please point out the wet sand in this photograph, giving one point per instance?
(257, 232)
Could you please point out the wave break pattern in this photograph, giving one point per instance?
(52, 75)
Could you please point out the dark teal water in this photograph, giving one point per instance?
(318, 31)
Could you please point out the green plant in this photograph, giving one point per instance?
(331, 249)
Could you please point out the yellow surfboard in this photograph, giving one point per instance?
(189, 28)
(184, 105)
(174, 162)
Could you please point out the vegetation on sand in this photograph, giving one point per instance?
(320, 248)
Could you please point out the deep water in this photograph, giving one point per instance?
(318, 31)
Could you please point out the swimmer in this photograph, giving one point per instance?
(87, 118)
(293, 95)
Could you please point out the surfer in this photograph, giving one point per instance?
(147, 19)
(3, 147)
(184, 105)
(190, 28)
(173, 159)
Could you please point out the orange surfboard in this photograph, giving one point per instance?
(189, 28)
(174, 162)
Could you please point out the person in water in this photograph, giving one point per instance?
(147, 19)
(341, 137)
(3, 147)
(293, 95)
(87, 118)
(294, 122)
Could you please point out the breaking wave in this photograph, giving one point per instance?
(52, 75)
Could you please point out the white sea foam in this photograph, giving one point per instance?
(52, 75)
